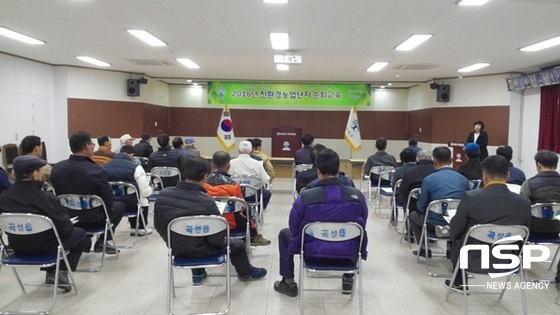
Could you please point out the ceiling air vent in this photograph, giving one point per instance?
(150, 62)
(416, 67)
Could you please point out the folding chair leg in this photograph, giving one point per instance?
(554, 259)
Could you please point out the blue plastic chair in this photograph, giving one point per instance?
(83, 205)
(197, 226)
(331, 232)
(25, 224)
(489, 234)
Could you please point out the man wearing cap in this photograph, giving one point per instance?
(121, 168)
(189, 147)
(32, 145)
(245, 165)
(26, 196)
(125, 139)
(80, 175)
(103, 153)
(473, 168)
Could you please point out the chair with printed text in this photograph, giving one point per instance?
(123, 190)
(27, 224)
(164, 176)
(480, 260)
(412, 197)
(351, 234)
(197, 226)
(89, 213)
(546, 211)
(233, 205)
(445, 208)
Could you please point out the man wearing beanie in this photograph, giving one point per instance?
(26, 196)
(473, 168)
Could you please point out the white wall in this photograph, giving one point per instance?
(110, 85)
(26, 100)
(526, 122)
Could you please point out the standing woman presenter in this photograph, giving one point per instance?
(480, 137)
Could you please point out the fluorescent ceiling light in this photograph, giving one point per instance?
(471, 2)
(188, 63)
(474, 67)
(282, 67)
(280, 41)
(413, 41)
(22, 38)
(93, 61)
(376, 66)
(189, 81)
(542, 45)
(147, 37)
(275, 1)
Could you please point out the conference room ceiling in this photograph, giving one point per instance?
(337, 39)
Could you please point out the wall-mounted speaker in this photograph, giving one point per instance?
(132, 87)
(443, 93)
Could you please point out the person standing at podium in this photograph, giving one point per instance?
(480, 137)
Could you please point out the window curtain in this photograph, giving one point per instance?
(549, 127)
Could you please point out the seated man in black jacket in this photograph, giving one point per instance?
(80, 175)
(166, 156)
(26, 196)
(188, 198)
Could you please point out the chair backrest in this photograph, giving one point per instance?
(233, 204)
(197, 226)
(9, 153)
(247, 179)
(301, 167)
(475, 183)
(441, 206)
(87, 208)
(140, 160)
(333, 232)
(383, 172)
(121, 189)
(547, 211)
(490, 234)
(165, 174)
(25, 224)
(48, 188)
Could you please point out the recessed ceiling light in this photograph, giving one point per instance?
(280, 41)
(389, 84)
(471, 2)
(376, 66)
(188, 63)
(93, 61)
(20, 37)
(195, 84)
(542, 45)
(383, 86)
(474, 67)
(413, 42)
(147, 38)
(282, 67)
(275, 1)
(189, 81)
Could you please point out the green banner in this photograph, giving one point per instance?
(264, 93)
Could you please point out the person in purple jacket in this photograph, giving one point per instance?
(328, 201)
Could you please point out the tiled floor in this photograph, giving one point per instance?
(393, 282)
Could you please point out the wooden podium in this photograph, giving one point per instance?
(286, 140)
(458, 156)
